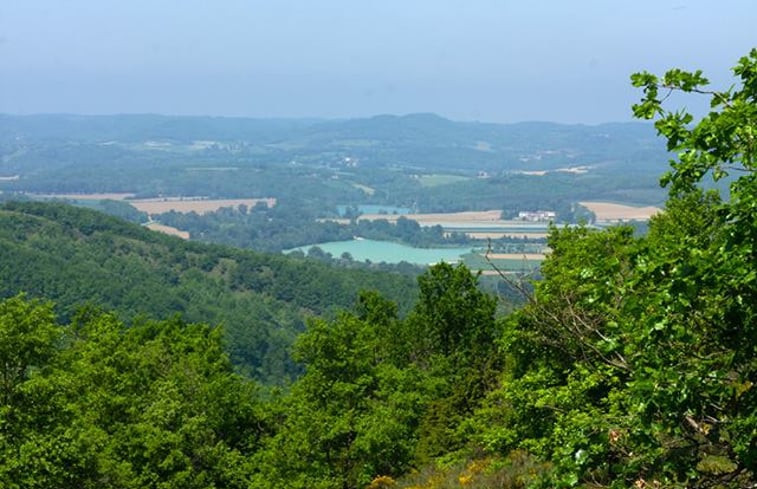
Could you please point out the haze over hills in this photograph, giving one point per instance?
(423, 141)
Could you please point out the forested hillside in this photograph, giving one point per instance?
(77, 256)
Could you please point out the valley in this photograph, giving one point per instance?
(353, 304)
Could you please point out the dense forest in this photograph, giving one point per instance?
(77, 256)
(633, 362)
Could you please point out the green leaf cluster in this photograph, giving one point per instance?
(99, 404)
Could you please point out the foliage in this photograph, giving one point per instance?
(380, 393)
(99, 404)
(350, 417)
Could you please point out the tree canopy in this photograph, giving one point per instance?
(634, 362)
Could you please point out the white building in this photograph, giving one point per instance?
(536, 216)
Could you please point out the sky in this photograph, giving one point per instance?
(486, 60)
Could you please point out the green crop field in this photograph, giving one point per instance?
(437, 180)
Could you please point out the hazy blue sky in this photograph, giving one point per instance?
(489, 60)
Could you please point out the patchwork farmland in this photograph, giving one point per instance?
(476, 224)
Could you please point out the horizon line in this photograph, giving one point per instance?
(314, 118)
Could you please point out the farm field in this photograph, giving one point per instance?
(366, 189)
(200, 206)
(469, 217)
(577, 170)
(607, 211)
(391, 252)
(436, 180)
(476, 224)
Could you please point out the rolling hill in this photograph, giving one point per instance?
(76, 256)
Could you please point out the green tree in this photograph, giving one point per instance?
(451, 333)
(28, 339)
(32, 454)
(698, 370)
(634, 363)
(380, 394)
(350, 417)
(154, 405)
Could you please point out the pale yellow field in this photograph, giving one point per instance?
(578, 170)
(466, 220)
(168, 230)
(200, 206)
(366, 189)
(462, 220)
(472, 217)
(606, 211)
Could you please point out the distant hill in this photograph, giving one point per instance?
(313, 166)
(76, 256)
(424, 141)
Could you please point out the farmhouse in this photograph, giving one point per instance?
(536, 216)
